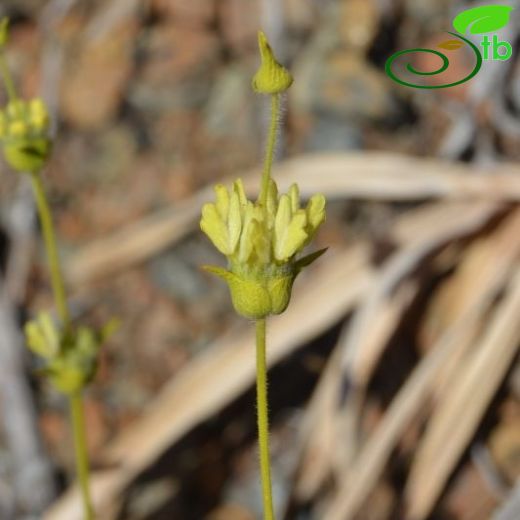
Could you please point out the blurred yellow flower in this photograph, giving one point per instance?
(23, 133)
(261, 244)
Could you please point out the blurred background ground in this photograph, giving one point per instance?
(152, 103)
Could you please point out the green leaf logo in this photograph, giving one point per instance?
(483, 19)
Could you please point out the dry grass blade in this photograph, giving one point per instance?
(321, 442)
(390, 176)
(484, 267)
(361, 351)
(134, 243)
(369, 333)
(318, 432)
(372, 175)
(358, 481)
(223, 372)
(443, 444)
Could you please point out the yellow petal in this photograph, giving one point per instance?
(246, 239)
(238, 188)
(17, 128)
(271, 203)
(290, 232)
(294, 194)
(215, 229)
(42, 337)
(38, 115)
(261, 243)
(222, 201)
(316, 211)
(234, 222)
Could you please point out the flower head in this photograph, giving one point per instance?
(24, 134)
(261, 244)
(70, 356)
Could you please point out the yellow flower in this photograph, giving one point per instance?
(261, 244)
(23, 133)
(271, 77)
(70, 356)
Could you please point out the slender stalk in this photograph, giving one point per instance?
(7, 79)
(49, 237)
(269, 151)
(263, 420)
(58, 288)
(80, 449)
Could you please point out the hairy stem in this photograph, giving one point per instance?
(269, 151)
(263, 420)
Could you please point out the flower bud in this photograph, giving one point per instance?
(271, 77)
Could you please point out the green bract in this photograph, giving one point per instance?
(261, 244)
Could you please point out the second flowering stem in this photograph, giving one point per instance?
(51, 248)
(58, 288)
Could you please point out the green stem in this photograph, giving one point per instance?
(58, 288)
(80, 448)
(263, 420)
(269, 151)
(49, 237)
(7, 79)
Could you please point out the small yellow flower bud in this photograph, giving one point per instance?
(271, 77)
